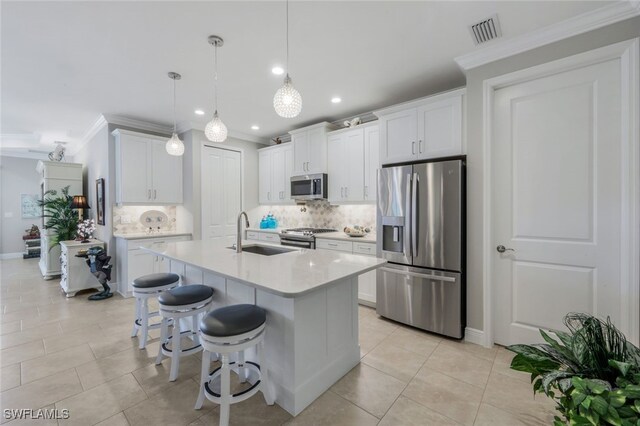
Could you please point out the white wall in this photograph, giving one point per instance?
(188, 215)
(17, 176)
(94, 157)
(475, 169)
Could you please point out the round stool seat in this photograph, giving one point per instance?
(185, 295)
(155, 280)
(232, 320)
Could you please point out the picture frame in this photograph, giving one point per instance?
(29, 207)
(100, 201)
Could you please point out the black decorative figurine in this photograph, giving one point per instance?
(98, 263)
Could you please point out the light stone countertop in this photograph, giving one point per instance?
(144, 235)
(289, 274)
(341, 236)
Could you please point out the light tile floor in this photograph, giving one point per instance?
(75, 354)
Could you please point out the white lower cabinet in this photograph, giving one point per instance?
(366, 281)
(138, 262)
(267, 236)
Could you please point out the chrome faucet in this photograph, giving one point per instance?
(239, 235)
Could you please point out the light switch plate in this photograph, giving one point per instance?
(8, 214)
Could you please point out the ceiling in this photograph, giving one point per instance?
(65, 63)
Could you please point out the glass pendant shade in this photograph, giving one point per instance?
(287, 101)
(175, 146)
(216, 131)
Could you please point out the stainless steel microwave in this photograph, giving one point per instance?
(309, 187)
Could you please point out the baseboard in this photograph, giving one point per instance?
(473, 335)
(4, 256)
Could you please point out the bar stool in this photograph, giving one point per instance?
(144, 288)
(180, 302)
(228, 330)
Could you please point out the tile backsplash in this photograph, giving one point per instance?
(126, 219)
(318, 214)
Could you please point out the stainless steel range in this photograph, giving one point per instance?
(301, 237)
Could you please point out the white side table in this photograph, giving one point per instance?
(76, 275)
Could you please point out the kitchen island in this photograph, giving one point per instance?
(311, 299)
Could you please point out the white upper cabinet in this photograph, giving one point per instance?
(275, 166)
(371, 161)
(352, 166)
(145, 172)
(310, 148)
(264, 177)
(425, 128)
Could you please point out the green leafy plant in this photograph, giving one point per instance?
(59, 215)
(592, 372)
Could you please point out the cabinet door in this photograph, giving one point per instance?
(354, 165)
(264, 171)
(440, 128)
(288, 171)
(167, 175)
(134, 179)
(335, 167)
(139, 263)
(367, 288)
(317, 157)
(398, 137)
(371, 162)
(300, 152)
(277, 175)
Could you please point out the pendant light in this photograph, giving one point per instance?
(174, 145)
(216, 131)
(287, 101)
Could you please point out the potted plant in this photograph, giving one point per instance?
(59, 215)
(592, 372)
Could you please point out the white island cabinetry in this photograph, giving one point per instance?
(311, 299)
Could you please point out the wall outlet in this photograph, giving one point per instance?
(125, 218)
(8, 214)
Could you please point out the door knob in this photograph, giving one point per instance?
(502, 249)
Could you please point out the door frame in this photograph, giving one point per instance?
(628, 52)
(207, 144)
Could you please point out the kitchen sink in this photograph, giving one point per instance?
(264, 250)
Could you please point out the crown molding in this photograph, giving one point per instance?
(185, 126)
(598, 18)
(24, 153)
(148, 126)
(97, 125)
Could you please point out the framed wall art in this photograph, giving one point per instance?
(100, 201)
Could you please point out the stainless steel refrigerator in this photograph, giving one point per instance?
(421, 217)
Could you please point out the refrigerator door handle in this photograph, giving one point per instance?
(419, 275)
(414, 215)
(408, 234)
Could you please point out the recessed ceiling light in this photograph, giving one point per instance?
(255, 127)
(199, 112)
(336, 100)
(277, 70)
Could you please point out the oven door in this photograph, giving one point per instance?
(284, 241)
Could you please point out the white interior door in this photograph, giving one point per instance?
(221, 193)
(556, 200)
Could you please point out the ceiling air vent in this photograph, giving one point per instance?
(486, 30)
